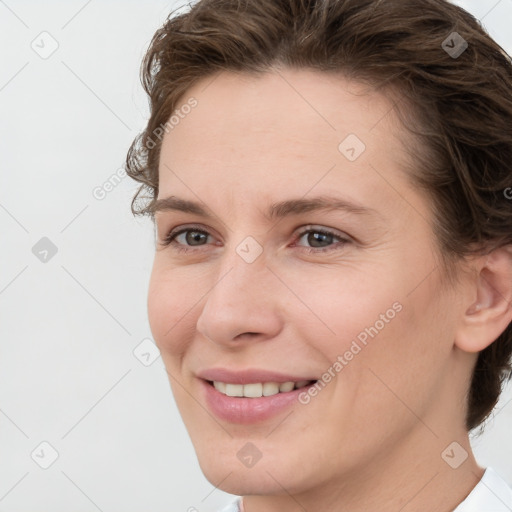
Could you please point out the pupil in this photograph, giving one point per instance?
(194, 236)
(317, 237)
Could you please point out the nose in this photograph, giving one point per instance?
(243, 303)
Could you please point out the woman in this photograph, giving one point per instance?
(332, 284)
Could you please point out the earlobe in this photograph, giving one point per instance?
(487, 316)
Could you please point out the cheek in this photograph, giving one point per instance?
(345, 304)
(378, 320)
(402, 368)
(170, 302)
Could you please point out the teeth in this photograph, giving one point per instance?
(220, 386)
(258, 389)
(235, 389)
(253, 390)
(286, 386)
(270, 388)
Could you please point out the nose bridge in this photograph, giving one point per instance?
(242, 267)
(240, 299)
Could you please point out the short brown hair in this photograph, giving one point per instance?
(461, 107)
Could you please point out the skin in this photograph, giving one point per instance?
(372, 439)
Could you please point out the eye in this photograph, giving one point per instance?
(321, 240)
(189, 236)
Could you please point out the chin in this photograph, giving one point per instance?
(268, 476)
(241, 481)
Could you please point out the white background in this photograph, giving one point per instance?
(68, 327)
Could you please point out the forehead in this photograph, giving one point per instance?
(265, 102)
(287, 129)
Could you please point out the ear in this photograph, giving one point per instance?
(486, 317)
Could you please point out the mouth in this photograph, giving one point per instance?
(258, 389)
(252, 396)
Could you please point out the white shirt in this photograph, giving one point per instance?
(491, 494)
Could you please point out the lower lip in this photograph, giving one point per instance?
(248, 410)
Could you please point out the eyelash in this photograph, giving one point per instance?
(170, 240)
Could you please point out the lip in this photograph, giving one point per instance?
(245, 411)
(249, 376)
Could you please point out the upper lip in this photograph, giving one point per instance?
(249, 376)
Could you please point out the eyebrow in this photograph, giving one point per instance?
(276, 210)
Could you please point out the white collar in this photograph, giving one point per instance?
(491, 494)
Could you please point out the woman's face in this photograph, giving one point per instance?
(268, 287)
